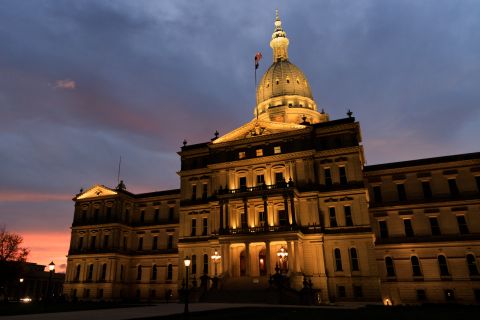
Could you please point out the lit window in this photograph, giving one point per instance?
(241, 155)
(288, 80)
(277, 150)
(259, 152)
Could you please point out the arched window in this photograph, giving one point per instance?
(104, 272)
(354, 259)
(338, 260)
(169, 272)
(442, 265)
(262, 262)
(417, 272)
(194, 264)
(77, 273)
(389, 266)
(90, 272)
(472, 265)
(139, 273)
(154, 272)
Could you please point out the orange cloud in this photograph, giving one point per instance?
(66, 84)
(46, 247)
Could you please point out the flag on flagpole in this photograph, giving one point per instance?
(258, 57)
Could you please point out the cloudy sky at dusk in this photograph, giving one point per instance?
(85, 82)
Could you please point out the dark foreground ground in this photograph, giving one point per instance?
(437, 312)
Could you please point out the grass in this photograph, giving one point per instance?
(437, 312)
(36, 307)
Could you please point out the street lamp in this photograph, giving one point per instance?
(51, 268)
(186, 261)
(216, 259)
(282, 254)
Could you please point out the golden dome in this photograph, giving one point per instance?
(281, 79)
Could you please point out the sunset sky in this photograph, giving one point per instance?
(85, 82)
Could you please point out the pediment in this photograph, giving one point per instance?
(257, 128)
(96, 191)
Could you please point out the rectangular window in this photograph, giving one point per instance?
(171, 214)
(140, 244)
(93, 242)
(343, 175)
(205, 264)
(277, 149)
(155, 243)
(434, 226)
(341, 292)
(259, 152)
(357, 291)
(333, 217)
(328, 177)
(194, 264)
(157, 215)
(125, 243)
(260, 180)
(80, 243)
(452, 186)
(170, 242)
(402, 194)
(354, 259)
(261, 218)
(279, 177)
(194, 192)
(377, 194)
(109, 213)
(194, 227)
(243, 220)
(105, 241)
(96, 214)
(204, 191)
(476, 293)
(462, 224)
(142, 216)
(242, 182)
(427, 190)
(348, 216)
(205, 227)
(282, 218)
(407, 223)
(241, 155)
(477, 180)
(421, 295)
(383, 229)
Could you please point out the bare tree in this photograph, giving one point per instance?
(10, 249)
(12, 258)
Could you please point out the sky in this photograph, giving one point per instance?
(85, 82)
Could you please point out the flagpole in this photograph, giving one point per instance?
(256, 106)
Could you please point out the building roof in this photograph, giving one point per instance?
(425, 161)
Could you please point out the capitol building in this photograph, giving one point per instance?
(285, 201)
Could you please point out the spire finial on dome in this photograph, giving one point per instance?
(279, 42)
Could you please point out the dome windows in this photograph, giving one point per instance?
(298, 81)
(288, 80)
(277, 81)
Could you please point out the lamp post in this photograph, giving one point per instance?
(51, 268)
(216, 259)
(282, 254)
(186, 261)
(20, 288)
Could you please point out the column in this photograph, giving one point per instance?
(267, 257)
(265, 211)
(292, 206)
(245, 212)
(247, 259)
(252, 216)
(227, 215)
(221, 216)
(290, 257)
(285, 206)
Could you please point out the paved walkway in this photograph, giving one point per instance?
(142, 312)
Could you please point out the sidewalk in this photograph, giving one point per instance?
(143, 312)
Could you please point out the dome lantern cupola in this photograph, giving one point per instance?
(283, 93)
(279, 42)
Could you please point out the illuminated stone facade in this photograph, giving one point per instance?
(286, 194)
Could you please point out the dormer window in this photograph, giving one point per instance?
(241, 155)
(259, 152)
(277, 149)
